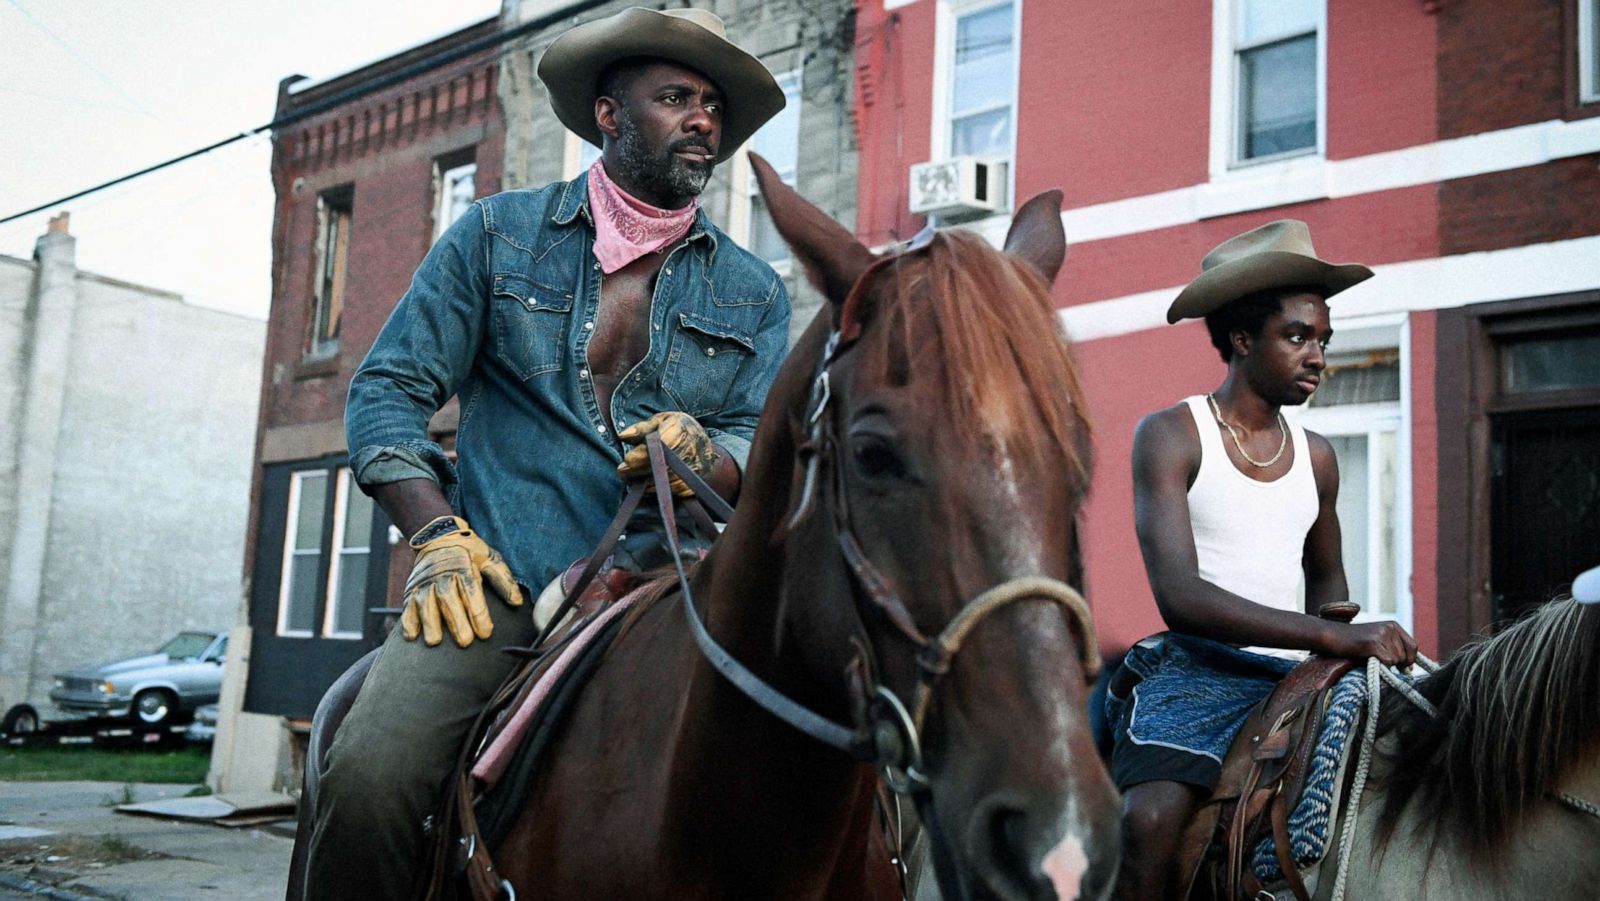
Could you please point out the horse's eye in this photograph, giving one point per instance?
(876, 459)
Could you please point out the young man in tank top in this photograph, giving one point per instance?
(1233, 506)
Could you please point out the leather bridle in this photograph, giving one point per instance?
(887, 733)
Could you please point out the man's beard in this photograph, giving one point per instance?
(666, 175)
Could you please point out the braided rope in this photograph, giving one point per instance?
(1369, 733)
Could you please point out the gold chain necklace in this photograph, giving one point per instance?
(1283, 431)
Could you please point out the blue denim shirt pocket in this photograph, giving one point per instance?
(530, 324)
(703, 361)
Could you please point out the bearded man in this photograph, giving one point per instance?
(571, 321)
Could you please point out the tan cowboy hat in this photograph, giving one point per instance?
(571, 68)
(1276, 255)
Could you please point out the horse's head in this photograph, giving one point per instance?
(941, 456)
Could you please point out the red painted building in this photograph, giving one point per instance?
(1450, 144)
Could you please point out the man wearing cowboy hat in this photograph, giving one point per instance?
(571, 321)
(1234, 507)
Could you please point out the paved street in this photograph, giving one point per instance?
(87, 849)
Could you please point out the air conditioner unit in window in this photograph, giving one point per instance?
(958, 185)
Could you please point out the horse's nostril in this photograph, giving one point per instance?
(999, 842)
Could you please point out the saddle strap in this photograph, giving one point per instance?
(1238, 827)
(1285, 851)
(482, 880)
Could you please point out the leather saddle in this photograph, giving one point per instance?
(1262, 778)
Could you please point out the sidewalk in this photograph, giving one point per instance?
(62, 840)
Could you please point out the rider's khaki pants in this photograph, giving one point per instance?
(389, 760)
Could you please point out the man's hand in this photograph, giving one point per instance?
(1387, 641)
(447, 582)
(682, 434)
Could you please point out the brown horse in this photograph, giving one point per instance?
(937, 451)
(918, 470)
(1492, 789)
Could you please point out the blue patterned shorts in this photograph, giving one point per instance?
(1176, 704)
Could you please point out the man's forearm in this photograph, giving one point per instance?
(1208, 611)
(411, 503)
(725, 477)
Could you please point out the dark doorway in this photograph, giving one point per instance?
(1545, 505)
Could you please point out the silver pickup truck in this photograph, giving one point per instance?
(164, 686)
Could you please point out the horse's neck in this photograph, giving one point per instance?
(1553, 856)
(800, 794)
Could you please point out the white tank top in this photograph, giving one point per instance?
(1249, 536)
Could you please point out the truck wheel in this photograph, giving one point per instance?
(21, 719)
(155, 706)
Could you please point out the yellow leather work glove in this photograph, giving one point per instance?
(681, 433)
(447, 582)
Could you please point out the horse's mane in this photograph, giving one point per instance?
(1517, 713)
(1009, 374)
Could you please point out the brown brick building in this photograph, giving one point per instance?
(368, 168)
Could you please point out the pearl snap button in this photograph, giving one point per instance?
(588, 325)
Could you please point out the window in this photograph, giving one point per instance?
(1588, 51)
(347, 576)
(1277, 78)
(333, 261)
(778, 142)
(1359, 410)
(983, 81)
(302, 554)
(577, 156)
(454, 189)
(329, 519)
(1564, 362)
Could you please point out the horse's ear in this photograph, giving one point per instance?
(832, 257)
(1037, 236)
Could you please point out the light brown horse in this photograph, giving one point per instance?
(1498, 795)
(938, 451)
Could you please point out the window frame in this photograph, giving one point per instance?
(331, 270)
(947, 21)
(741, 206)
(1381, 332)
(573, 151)
(1588, 28)
(1227, 82)
(291, 534)
(443, 168)
(346, 483)
(339, 481)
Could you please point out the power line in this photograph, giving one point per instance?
(378, 84)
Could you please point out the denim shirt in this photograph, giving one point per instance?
(501, 312)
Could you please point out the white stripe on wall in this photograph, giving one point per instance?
(1313, 178)
(1534, 270)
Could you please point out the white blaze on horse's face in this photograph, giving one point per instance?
(1023, 540)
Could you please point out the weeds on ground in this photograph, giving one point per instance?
(125, 798)
(90, 764)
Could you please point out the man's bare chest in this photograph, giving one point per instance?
(622, 322)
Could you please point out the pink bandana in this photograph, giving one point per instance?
(626, 228)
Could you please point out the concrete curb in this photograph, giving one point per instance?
(24, 884)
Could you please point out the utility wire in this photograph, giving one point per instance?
(313, 109)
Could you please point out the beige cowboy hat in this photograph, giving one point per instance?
(571, 68)
(1275, 255)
